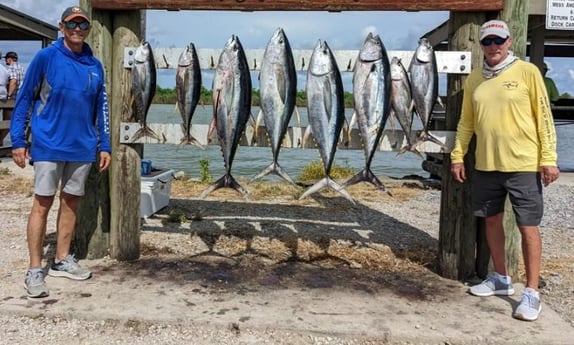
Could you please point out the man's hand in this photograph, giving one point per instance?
(19, 156)
(105, 160)
(549, 174)
(458, 172)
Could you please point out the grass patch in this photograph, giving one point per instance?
(315, 171)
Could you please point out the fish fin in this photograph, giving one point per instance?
(297, 115)
(145, 131)
(439, 101)
(426, 136)
(257, 123)
(211, 129)
(409, 148)
(366, 175)
(306, 135)
(191, 140)
(273, 168)
(226, 181)
(327, 182)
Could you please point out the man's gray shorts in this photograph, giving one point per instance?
(72, 175)
(489, 191)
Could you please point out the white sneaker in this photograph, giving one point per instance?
(529, 307)
(494, 284)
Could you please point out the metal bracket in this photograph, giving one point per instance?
(129, 53)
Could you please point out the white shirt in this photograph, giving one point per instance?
(4, 77)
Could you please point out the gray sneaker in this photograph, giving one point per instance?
(529, 306)
(35, 285)
(493, 285)
(69, 268)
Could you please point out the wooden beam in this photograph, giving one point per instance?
(298, 5)
(458, 228)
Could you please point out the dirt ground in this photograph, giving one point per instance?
(276, 270)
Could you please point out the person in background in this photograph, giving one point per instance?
(506, 106)
(4, 80)
(15, 81)
(551, 88)
(63, 99)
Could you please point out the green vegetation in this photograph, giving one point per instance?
(315, 171)
(204, 170)
(176, 216)
(167, 96)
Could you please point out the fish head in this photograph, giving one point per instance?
(398, 70)
(186, 56)
(276, 47)
(321, 59)
(372, 48)
(142, 53)
(424, 51)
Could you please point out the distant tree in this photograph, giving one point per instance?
(168, 96)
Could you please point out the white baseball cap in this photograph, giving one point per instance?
(494, 27)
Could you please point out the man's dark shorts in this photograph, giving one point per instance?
(489, 191)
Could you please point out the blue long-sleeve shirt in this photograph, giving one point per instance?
(64, 98)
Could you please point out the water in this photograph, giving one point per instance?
(249, 161)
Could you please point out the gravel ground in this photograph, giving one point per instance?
(412, 208)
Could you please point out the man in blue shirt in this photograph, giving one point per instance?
(63, 101)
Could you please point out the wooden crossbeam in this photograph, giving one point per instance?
(297, 5)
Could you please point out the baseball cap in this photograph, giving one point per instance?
(494, 27)
(74, 12)
(11, 55)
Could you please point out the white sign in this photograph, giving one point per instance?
(560, 14)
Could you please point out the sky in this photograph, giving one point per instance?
(398, 30)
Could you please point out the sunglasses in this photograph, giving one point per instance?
(496, 40)
(72, 25)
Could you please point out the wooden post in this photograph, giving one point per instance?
(515, 13)
(457, 236)
(125, 170)
(91, 238)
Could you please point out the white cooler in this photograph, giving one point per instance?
(155, 191)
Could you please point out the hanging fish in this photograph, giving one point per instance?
(188, 90)
(326, 110)
(372, 94)
(402, 105)
(423, 74)
(143, 88)
(231, 108)
(278, 90)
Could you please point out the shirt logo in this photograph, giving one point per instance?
(510, 85)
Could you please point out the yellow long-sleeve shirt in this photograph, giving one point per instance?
(510, 115)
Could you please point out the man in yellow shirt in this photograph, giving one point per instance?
(506, 106)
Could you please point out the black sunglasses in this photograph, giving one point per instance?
(496, 40)
(72, 25)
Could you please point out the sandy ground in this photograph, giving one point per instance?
(226, 289)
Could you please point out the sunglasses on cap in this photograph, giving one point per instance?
(496, 40)
(72, 25)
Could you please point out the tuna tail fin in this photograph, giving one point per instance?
(410, 148)
(366, 175)
(145, 131)
(191, 140)
(227, 181)
(327, 182)
(426, 136)
(273, 168)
